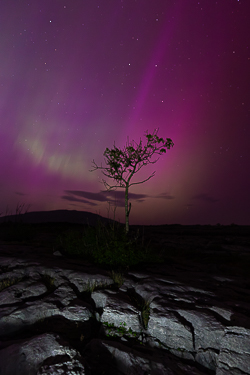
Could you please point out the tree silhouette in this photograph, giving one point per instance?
(123, 164)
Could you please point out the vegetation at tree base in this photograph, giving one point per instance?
(123, 164)
(108, 245)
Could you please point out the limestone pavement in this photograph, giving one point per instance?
(62, 317)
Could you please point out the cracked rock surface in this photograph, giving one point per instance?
(66, 316)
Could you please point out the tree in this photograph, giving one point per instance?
(123, 164)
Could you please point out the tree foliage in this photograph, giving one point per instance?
(123, 164)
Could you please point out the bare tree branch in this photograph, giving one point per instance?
(123, 164)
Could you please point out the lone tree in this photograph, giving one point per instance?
(123, 164)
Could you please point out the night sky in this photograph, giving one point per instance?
(77, 75)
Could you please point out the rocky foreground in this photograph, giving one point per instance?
(189, 315)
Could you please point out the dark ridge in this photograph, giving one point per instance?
(196, 230)
(85, 217)
(57, 216)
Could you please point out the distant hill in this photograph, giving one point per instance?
(85, 217)
(57, 216)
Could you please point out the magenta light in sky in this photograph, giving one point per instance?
(76, 76)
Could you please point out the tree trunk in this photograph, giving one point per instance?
(127, 210)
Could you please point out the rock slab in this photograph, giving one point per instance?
(77, 320)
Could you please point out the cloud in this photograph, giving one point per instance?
(115, 197)
(165, 196)
(140, 200)
(121, 195)
(86, 194)
(205, 198)
(73, 199)
(17, 193)
(87, 197)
